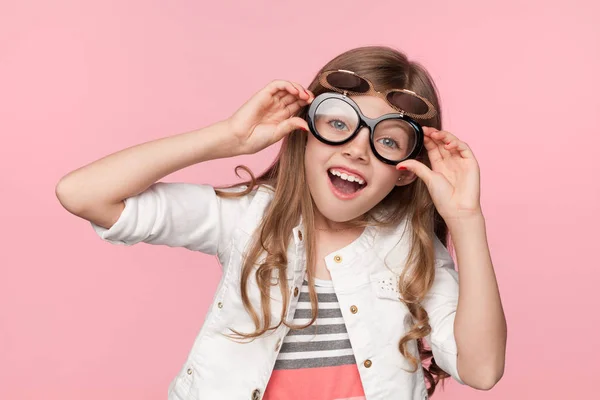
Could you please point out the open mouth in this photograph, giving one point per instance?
(345, 183)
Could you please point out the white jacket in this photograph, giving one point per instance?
(192, 216)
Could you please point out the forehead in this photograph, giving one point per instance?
(372, 106)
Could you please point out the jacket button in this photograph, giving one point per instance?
(295, 292)
(255, 394)
(190, 371)
(368, 363)
(337, 259)
(220, 305)
(300, 235)
(353, 309)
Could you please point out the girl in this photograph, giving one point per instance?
(337, 282)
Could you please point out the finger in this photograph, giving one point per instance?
(277, 86)
(452, 143)
(432, 145)
(288, 99)
(464, 150)
(419, 169)
(281, 94)
(303, 94)
(285, 93)
(311, 96)
(295, 107)
(432, 150)
(291, 97)
(440, 138)
(448, 137)
(288, 125)
(445, 136)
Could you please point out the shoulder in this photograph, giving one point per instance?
(260, 190)
(394, 243)
(261, 195)
(248, 208)
(391, 245)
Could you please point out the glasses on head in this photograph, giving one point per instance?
(335, 119)
(402, 100)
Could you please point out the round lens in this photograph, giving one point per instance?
(408, 102)
(335, 120)
(348, 81)
(394, 139)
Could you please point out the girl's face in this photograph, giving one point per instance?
(347, 181)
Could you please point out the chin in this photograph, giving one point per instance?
(336, 211)
(336, 216)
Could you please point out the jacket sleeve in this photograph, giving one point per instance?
(178, 215)
(441, 303)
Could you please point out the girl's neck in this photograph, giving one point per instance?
(328, 230)
(324, 224)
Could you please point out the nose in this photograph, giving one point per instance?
(358, 148)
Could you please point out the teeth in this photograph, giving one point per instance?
(347, 177)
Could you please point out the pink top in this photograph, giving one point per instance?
(317, 362)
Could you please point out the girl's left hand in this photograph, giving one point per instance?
(453, 180)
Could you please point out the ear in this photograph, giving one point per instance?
(406, 178)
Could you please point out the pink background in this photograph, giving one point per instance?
(80, 318)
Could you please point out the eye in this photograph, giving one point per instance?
(387, 142)
(337, 124)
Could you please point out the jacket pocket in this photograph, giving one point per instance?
(184, 385)
(396, 322)
(385, 285)
(392, 317)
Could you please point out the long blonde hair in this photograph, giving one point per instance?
(386, 68)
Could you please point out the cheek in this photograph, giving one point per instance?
(385, 177)
(310, 161)
(316, 153)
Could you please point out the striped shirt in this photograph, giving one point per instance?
(316, 362)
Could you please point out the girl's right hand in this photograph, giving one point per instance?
(269, 115)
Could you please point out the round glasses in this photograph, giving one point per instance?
(335, 119)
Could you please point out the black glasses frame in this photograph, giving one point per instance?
(367, 122)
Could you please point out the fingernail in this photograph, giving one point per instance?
(401, 168)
